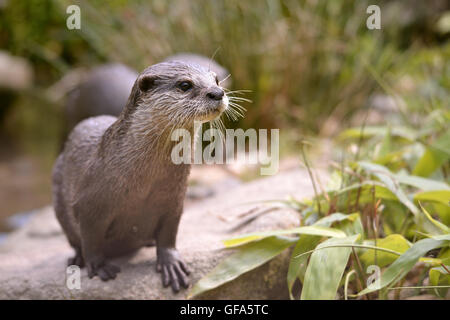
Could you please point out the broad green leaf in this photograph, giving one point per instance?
(440, 227)
(364, 192)
(434, 156)
(394, 242)
(406, 261)
(246, 258)
(325, 269)
(444, 255)
(440, 277)
(396, 217)
(381, 192)
(441, 210)
(311, 230)
(442, 196)
(297, 264)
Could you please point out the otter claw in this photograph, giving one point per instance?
(173, 270)
(105, 270)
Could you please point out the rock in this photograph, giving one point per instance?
(15, 72)
(33, 258)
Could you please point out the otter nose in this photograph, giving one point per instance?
(215, 94)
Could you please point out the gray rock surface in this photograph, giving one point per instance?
(33, 258)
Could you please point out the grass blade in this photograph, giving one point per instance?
(325, 269)
(245, 259)
(310, 230)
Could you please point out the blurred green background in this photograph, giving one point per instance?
(312, 66)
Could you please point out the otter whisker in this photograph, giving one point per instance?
(237, 109)
(237, 106)
(229, 115)
(242, 91)
(240, 99)
(225, 79)
(230, 112)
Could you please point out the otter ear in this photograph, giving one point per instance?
(146, 82)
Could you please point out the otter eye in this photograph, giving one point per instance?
(185, 85)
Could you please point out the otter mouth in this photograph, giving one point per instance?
(209, 115)
(213, 113)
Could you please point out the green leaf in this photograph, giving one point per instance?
(297, 264)
(421, 183)
(351, 226)
(444, 255)
(440, 277)
(311, 230)
(440, 227)
(364, 192)
(442, 196)
(325, 269)
(434, 156)
(406, 261)
(392, 157)
(389, 180)
(246, 258)
(335, 217)
(394, 242)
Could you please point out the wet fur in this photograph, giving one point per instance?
(115, 187)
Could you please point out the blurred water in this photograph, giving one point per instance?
(20, 219)
(16, 221)
(3, 237)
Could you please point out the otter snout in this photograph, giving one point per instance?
(215, 94)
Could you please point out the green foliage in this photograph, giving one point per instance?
(387, 215)
(394, 242)
(246, 258)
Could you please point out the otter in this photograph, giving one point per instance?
(115, 188)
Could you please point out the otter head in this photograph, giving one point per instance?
(176, 94)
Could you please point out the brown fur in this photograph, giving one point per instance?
(115, 187)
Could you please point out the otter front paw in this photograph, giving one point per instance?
(103, 269)
(173, 269)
